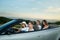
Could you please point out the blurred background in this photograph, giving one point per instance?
(30, 10)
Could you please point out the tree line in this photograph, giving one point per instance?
(5, 19)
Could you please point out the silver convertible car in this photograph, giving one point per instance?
(49, 34)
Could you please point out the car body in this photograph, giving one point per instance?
(49, 34)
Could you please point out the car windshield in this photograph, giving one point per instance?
(4, 20)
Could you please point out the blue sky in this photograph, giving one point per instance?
(43, 9)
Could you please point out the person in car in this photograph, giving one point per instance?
(45, 24)
(30, 25)
(37, 26)
(24, 27)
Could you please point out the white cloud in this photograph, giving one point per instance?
(53, 10)
(52, 13)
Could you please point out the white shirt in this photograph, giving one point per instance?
(24, 29)
(39, 26)
(31, 29)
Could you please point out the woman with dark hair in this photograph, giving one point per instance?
(45, 24)
(30, 25)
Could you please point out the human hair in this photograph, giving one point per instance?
(38, 21)
(46, 23)
(31, 22)
(24, 24)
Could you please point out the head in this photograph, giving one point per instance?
(38, 22)
(44, 22)
(23, 24)
(30, 24)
